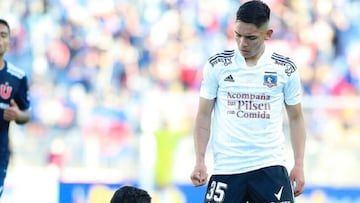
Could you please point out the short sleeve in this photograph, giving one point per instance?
(209, 83)
(23, 98)
(293, 89)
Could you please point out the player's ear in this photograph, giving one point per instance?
(269, 33)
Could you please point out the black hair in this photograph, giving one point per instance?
(130, 194)
(255, 12)
(4, 22)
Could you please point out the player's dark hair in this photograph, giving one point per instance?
(4, 22)
(129, 194)
(255, 12)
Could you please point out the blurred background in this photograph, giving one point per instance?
(114, 89)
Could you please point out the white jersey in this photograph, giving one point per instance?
(247, 121)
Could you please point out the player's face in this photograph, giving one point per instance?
(250, 39)
(4, 39)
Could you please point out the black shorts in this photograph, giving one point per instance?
(265, 185)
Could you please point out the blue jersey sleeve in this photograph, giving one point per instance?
(22, 97)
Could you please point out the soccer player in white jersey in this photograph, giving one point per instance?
(242, 96)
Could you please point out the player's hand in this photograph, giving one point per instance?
(199, 176)
(298, 180)
(12, 112)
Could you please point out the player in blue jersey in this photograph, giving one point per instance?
(242, 96)
(14, 99)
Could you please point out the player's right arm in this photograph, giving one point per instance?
(14, 113)
(201, 138)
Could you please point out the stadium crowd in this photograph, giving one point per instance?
(100, 69)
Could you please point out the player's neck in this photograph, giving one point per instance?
(254, 60)
(2, 63)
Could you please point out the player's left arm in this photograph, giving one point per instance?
(298, 137)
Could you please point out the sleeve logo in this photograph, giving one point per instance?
(284, 61)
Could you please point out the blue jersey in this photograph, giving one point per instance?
(13, 85)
